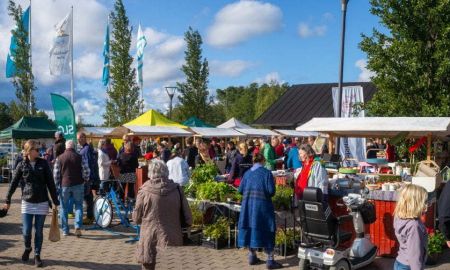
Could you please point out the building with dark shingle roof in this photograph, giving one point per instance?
(302, 102)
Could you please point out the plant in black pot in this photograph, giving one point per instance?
(216, 235)
(436, 242)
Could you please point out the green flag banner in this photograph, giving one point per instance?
(64, 117)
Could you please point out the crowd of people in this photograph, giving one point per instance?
(75, 172)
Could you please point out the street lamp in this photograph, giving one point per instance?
(171, 92)
(341, 67)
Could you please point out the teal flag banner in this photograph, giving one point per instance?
(11, 69)
(64, 117)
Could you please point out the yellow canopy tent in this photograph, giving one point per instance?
(153, 118)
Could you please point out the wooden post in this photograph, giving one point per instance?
(330, 144)
(429, 147)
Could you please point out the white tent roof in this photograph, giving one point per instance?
(216, 132)
(157, 131)
(295, 133)
(96, 131)
(379, 126)
(256, 132)
(233, 123)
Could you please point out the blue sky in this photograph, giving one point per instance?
(244, 41)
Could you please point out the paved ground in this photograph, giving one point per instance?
(103, 250)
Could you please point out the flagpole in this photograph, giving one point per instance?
(141, 82)
(109, 77)
(31, 62)
(71, 60)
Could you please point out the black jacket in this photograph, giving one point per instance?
(36, 182)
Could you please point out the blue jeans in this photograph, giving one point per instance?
(77, 194)
(400, 266)
(39, 220)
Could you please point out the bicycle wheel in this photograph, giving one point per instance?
(103, 212)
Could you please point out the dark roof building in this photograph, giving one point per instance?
(302, 102)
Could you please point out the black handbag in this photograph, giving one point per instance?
(368, 213)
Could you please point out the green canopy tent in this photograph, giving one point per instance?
(29, 128)
(195, 122)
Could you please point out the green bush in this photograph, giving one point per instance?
(217, 230)
(201, 174)
(436, 241)
(215, 191)
(282, 198)
(197, 214)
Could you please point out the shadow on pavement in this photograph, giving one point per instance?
(10, 228)
(6, 244)
(82, 265)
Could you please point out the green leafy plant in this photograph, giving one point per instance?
(436, 241)
(282, 237)
(197, 214)
(215, 191)
(389, 178)
(3, 162)
(282, 198)
(217, 230)
(201, 174)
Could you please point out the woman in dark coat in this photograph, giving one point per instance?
(257, 218)
(128, 163)
(37, 179)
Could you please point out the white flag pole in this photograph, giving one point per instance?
(31, 63)
(71, 60)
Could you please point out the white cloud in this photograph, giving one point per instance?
(88, 107)
(365, 75)
(243, 20)
(270, 78)
(232, 68)
(305, 30)
(89, 65)
(163, 59)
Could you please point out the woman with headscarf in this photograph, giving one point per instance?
(311, 174)
(37, 179)
(160, 208)
(257, 217)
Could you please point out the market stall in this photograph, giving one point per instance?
(215, 132)
(384, 186)
(39, 128)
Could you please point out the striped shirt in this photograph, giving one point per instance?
(35, 208)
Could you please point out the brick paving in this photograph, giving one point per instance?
(98, 249)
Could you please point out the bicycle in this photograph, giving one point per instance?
(109, 202)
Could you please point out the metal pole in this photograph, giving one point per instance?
(341, 67)
(170, 108)
(71, 56)
(31, 63)
(171, 93)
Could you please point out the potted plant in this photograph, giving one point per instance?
(216, 235)
(282, 198)
(436, 242)
(284, 241)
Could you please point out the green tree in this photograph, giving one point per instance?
(412, 61)
(123, 102)
(194, 100)
(5, 117)
(239, 102)
(24, 80)
(267, 95)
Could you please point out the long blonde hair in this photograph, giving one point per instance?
(411, 203)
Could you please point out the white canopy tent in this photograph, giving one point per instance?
(255, 132)
(295, 133)
(379, 126)
(157, 131)
(216, 132)
(233, 123)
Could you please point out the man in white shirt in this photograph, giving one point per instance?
(178, 169)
